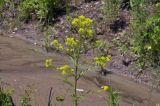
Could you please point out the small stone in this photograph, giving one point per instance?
(80, 90)
(11, 36)
(15, 29)
(96, 3)
(35, 43)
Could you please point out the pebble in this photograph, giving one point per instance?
(80, 90)
(15, 29)
(35, 43)
(10, 36)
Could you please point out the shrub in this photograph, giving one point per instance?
(26, 97)
(5, 96)
(146, 33)
(110, 9)
(43, 9)
(1, 3)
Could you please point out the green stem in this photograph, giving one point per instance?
(75, 85)
(68, 7)
(102, 69)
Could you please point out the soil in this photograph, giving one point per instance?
(22, 63)
(31, 32)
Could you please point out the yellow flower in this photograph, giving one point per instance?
(108, 57)
(75, 21)
(65, 69)
(89, 20)
(96, 58)
(102, 61)
(81, 17)
(105, 88)
(90, 33)
(60, 46)
(48, 63)
(103, 58)
(82, 22)
(54, 42)
(81, 31)
(71, 42)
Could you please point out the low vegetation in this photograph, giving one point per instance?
(143, 43)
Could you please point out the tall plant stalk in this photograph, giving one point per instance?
(75, 85)
(75, 46)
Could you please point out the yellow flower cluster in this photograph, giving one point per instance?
(48, 63)
(105, 88)
(90, 32)
(66, 69)
(84, 26)
(81, 31)
(82, 21)
(102, 61)
(71, 42)
(56, 44)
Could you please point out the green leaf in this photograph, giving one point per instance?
(60, 98)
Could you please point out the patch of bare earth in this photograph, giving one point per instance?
(21, 64)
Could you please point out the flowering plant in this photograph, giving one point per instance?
(75, 46)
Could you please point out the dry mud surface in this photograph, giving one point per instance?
(21, 64)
